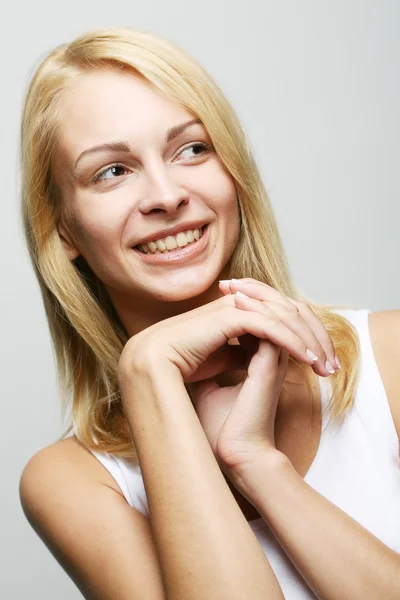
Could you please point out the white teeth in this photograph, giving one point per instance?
(181, 239)
(171, 242)
(160, 245)
(152, 246)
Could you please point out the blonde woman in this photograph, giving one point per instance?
(229, 439)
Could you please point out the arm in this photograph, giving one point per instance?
(79, 512)
(336, 556)
(205, 546)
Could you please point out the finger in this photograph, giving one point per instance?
(307, 325)
(255, 407)
(224, 286)
(272, 355)
(261, 291)
(292, 317)
(319, 329)
(237, 321)
(297, 338)
(284, 360)
(257, 289)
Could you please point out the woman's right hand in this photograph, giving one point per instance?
(196, 342)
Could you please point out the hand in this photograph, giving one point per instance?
(240, 420)
(296, 315)
(196, 343)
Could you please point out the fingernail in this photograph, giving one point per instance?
(242, 295)
(329, 367)
(311, 355)
(338, 362)
(224, 280)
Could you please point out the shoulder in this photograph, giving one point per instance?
(63, 461)
(384, 329)
(79, 512)
(54, 480)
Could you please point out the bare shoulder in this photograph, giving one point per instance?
(384, 327)
(65, 458)
(79, 512)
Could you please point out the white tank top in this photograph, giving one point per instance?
(357, 467)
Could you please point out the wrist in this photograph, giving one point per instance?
(141, 361)
(138, 374)
(268, 466)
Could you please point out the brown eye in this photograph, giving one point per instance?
(198, 148)
(111, 172)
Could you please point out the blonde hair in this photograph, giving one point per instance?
(87, 334)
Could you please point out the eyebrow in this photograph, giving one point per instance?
(121, 146)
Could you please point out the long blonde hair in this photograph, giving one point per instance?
(87, 334)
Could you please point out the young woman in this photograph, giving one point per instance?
(219, 449)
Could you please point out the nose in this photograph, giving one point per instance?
(163, 193)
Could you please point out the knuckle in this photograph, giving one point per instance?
(302, 305)
(292, 309)
(273, 321)
(295, 341)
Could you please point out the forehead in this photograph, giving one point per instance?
(105, 105)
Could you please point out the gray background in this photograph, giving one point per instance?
(316, 84)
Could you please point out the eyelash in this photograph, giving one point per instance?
(97, 177)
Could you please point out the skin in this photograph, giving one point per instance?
(63, 485)
(160, 186)
(157, 185)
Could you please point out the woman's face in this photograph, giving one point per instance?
(134, 169)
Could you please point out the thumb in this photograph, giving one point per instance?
(253, 414)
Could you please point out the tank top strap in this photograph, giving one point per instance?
(371, 403)
(127, 474)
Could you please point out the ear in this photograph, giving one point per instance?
(71, 250)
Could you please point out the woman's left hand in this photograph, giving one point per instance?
(239, 420)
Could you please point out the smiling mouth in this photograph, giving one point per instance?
(172, 243)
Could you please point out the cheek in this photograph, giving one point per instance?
(97, 240)
(222, 190)
(231, 212)
(97, 226)
(229, 205)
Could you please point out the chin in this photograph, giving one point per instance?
(186, 289)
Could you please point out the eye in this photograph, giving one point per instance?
(111, 172)
(196, 149)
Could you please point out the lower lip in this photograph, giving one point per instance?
(178, 255)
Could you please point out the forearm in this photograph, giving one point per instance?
(205, 546)
(336, 556)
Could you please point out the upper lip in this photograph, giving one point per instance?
(163, 233)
